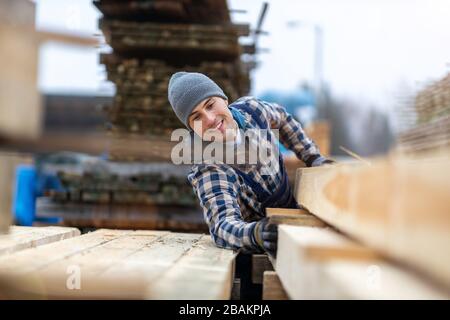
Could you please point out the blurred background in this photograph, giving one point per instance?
(367, 76)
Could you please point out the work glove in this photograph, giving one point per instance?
(329, 161)
(266, 236)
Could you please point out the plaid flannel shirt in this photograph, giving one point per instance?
(230, 207)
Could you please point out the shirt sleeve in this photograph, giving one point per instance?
(291, 133)
(217, 189)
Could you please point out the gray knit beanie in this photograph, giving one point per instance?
(188, 89)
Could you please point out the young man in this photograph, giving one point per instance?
(234, 196)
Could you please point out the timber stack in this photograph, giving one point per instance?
(153, 39)
(432, 110)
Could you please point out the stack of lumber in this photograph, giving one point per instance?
(98, 193)
(120, 264)
(432, 129)
(385, 231)
(151, 40)
(141, 105)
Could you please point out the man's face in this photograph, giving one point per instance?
(212, 120)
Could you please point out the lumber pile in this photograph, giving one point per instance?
(105, 194)
(432, 129)
(153, 39)
(318, 263)
(120, 264)
(398, 206)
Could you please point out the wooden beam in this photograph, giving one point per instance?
(349, 271)
(272, 287)
(121, 264)
(8, 164)
(260, 264)
(398, 206)
(297, 217)
(20, 238)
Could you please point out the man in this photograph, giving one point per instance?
(234, 196)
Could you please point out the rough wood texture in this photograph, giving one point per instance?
(121, 264)
(20, 238)
(316, 263)
(297, 217)
(260, 264)
(272, 287)
(398, 206)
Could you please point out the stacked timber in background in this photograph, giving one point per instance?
(153, 39)
(432, 129)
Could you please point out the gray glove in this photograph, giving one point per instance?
(266, 236)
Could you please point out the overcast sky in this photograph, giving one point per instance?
(370, 46)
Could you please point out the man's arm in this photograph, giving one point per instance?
(218, 190)
(292, 135)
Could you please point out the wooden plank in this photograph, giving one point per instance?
(297, 217)
(8, 164)
(121, 264)
(20, 105)
(204, 272)
(398, 206)
(260, 264)
(6, 182)
(349, 271)
(20, 238)
(272, 287)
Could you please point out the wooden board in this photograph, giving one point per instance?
(260, 264)
(20, 238)
(272, 287)
(121, 264)
(20, 105)
(317, 263)
(398, 206)
(297, 217)
(8, 164)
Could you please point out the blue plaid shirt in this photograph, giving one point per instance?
(230, 207)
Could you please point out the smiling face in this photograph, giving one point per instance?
(212, 118)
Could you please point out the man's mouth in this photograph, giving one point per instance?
(219, 125)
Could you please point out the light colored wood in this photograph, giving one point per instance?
(6, 182)
(260, 264)
(399, 206)
(346, 273)
(8, 164)
(272, 287)
(20, 102)
(297, 217)
(20, 238)
(121, 264)
(205, 272)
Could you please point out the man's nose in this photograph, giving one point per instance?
(209, 119)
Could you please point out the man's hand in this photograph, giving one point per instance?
(266, 236)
